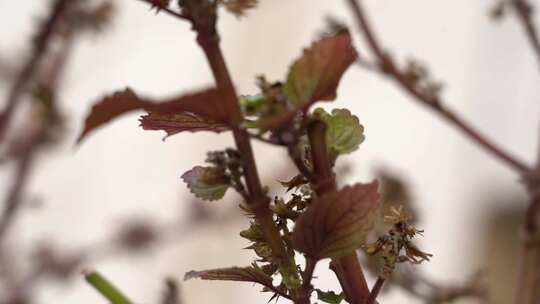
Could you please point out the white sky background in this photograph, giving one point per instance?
(490, 77)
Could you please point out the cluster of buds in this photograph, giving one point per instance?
(397, 246)
(229, 164)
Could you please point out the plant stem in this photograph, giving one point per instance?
(375, 290)
(432, 102)
(306, 289)
(296, 157)
(528, 252)
(528, 281)
(528, 264)
(13, 200)
(40, 49)
(524, 12)
(208, 39)
(106, 288)
(348, 269)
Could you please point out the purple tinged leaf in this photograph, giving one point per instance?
(205, 103)
(174, 123)
(315, 76)
(338, 222)
(242, 274)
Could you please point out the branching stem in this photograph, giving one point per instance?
(32, 65)
(307, 276)
(375, 290)
(432, 102)
(524, 13)
(348, 269)
(208, 40)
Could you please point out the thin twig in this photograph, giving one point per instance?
(32, 65)
(296, 157)
(528, 260)
(524, 12)
(375, 290)
(49, 73)
(416, 284)
(432, 102)
(307, 276)
(13, 201)
(526, 285)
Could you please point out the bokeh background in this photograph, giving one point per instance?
(80, 196)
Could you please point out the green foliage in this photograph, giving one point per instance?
(252, 104)
(106, 288)
(330, 296)
(208, 183)
(344, 133)
(325, 222)
(337, 223)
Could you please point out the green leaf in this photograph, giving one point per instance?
(253, 233)
(315, 76)
(251, 104)
(337, 223)
(208, 183)
(344, 133)
(106, 288)
(173, 123)
(205, 103)
(330, 296)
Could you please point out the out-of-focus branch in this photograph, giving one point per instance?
(375, 290)
(41, 44)
(524, 11)
(26, 151)
(432, 101)
(13, 200)
(137, 235)
(431, 292)
(528, 281)
(528, 264)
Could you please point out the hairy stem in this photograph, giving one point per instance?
(258, 199)
(348, 269)
(259, 202)
(429, 100)
(40, 49)
(306, 289)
